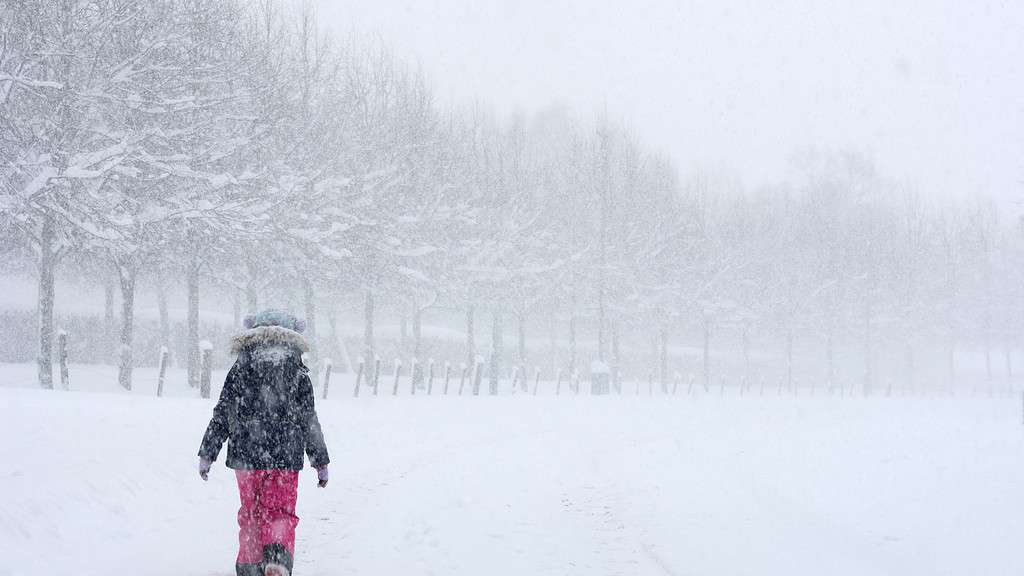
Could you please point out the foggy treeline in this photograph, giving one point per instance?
(235, 146)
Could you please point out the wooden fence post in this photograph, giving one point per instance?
(415, 366)
(515, 378)
(359, 378)
(689, 385)
(675, 382)
(430, 376)
(328, 366)
(536, 380)
(478, 375)
(206, 368)
(162, 374)
(62, 358)
(447, 375)
(398, 374)
(462, 381)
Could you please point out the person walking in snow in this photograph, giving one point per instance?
(266, 414)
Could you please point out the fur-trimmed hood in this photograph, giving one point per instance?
(269, 336)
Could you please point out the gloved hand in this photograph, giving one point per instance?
(321, 475)
(204, 468)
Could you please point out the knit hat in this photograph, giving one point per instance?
(275, 318)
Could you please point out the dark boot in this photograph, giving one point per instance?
(248, 569)
(277, 554)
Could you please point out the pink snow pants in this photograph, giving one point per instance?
(267, 515)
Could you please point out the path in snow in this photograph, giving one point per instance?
(524, 485)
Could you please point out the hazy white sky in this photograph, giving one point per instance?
(934, 91)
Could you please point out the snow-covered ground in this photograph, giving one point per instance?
(104, 482)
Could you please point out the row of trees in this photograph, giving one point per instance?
(233, 144)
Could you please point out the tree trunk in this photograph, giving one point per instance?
(470, 338)
(663, 358)
(109, 330)
(368, 326)
(572, 342)
(1009, 359)
(309, 296)
(951, 364)
(417, 331)
(988, 349)
(497, 348)
(46, 297)
(161, 304)
(830, 358)
(603, 239)
(908, 353)
(553, 342)
(236, 308)
(192, 343)
(655, 343)
(108, 303)
(126, 274)
(616, 359)
(332, 324)
(789, 358)
(521, 341)
(376, 375)
(707, 356)
(988, 355)
(252, 301)
(869, 371)
(746, 361)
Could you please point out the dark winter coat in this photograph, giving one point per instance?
(266, 411)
